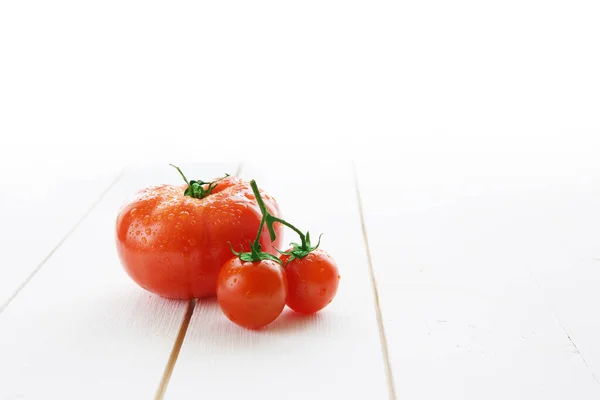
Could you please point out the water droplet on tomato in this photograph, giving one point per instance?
(133, 211)
(191, 241)
(322, 270)
(184, 215)
(148, 231)
(193, 222)
(144, 240)
(137, 233)
(158, 217)
(177, 226)
(170, 217)
(322, 292)
(146, 219)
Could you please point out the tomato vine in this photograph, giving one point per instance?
(299, 250)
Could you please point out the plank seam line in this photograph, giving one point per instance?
(560, 323)
(164, 382)
(382, 336)
(575, 346)
(61, 242)
(185, 323)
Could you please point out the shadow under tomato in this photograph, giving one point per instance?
(129, 314)
(291, 321)
(288, 321)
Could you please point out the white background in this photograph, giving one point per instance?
(88, 83)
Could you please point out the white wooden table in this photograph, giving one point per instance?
(470, 265)
(457, 282)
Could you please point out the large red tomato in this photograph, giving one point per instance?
(174, 245)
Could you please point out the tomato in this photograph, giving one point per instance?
(312, 281)
(174, 245)
(252, 293)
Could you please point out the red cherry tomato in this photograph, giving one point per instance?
(312, 281)
(174, 245)
(252, 294)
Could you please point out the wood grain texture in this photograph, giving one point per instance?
(484, 270)
(81, 328)
(333, 354)
(36, 215)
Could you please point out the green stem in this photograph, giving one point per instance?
(263, 209)
(181, 173)
(298, 231)
(260, 229)
(259, 200)
(270, 218)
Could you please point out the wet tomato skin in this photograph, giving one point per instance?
(312, 281)
(174, 245)
(252, 294)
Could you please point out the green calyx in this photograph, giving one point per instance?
(198, 189)
(301, 250)
(255, 254)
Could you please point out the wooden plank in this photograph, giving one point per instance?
(334, 354)
(81, 328)
(462, 246)
(40, 206)
(567, 263)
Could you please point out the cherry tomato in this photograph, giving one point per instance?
(312, 281)
(174, 245)
(252, 293)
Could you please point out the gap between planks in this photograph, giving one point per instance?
(185, 323)
(164, 382)
(61, 242)
(560, 323)
(382, 336)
